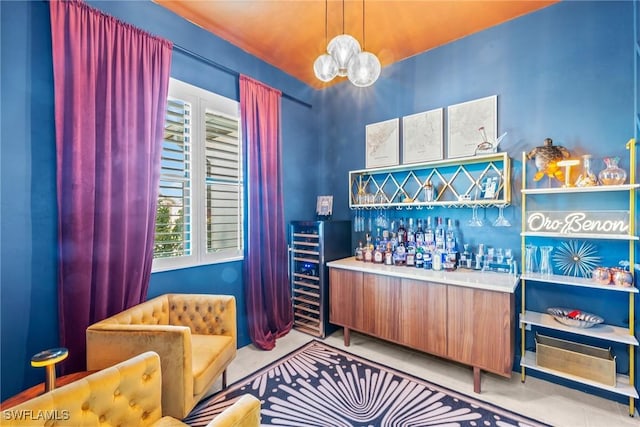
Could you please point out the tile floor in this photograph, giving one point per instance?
(554, 404)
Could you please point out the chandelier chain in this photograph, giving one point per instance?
(326, 21)
(364, 42)
(343, 17)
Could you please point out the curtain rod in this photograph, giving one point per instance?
(229, 70)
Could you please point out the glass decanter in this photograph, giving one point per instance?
(612, 174)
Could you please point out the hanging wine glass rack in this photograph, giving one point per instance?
(482, 180)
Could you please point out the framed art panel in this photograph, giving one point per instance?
(382, 144)
(324, 206)
(470, 124)
(422, 137)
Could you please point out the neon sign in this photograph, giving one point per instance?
(571, 222)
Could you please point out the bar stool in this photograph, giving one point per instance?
(48, 359)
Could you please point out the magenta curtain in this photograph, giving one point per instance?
(267, 292)
(111, 83)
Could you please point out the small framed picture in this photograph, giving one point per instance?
(490, 188)
(383, 144)
(324, 206)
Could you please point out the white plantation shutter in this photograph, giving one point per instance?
(199, 219)
(224, 183)
(173, 219)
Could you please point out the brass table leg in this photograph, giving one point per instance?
(48, 359)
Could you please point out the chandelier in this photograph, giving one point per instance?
(344, 57)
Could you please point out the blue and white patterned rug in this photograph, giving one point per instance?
(319, 385)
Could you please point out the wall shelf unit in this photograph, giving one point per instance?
(608, 333)
(460, 182)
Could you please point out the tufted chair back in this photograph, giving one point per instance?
(203, 315)
(153, 312)
(127, 394)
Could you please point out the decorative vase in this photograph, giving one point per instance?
(612, 174)
(621, 277)
(530, 263)
(587, 178)
(601, 275)
(545, 262)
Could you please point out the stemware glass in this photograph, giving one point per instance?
(356, 221)
(475, 220)
(501, 221)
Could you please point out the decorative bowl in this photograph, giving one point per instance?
(575, 318)
(621, 277)
(601, 275)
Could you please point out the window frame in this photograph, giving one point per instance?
(201, 100)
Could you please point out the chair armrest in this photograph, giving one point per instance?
(204, 314)
(245, 412)
(108, 344)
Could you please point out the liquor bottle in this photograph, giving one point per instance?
(394, 242)
(420, 233)
(436, 260)
(410, 259)
(368, 250)
(419, 257)
(411, 234)
(450, 262)
(429, 235)
(385, 237)
(465, 257)
(368, 254)
(388, 255)
(440, 236)
(402, 232)
(400, 254)
(411, 239)
(450, 238)
(427, 257)
(360, 252)
(378, 257)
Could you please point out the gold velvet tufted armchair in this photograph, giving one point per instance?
(127, 394)
(195, 336)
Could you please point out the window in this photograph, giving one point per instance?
(199, 218)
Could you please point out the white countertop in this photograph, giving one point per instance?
(487, 280)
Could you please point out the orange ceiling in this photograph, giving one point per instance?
(290, 34)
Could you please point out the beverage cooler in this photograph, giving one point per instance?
(311, 245)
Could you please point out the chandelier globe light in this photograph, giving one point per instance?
(345, 58)
(364, 69)
(343, 48)
(325, 67)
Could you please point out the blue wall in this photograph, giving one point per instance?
(28, 301)
(563, 72)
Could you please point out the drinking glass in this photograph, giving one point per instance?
(475, 220)
(501, 221)
(356, 222)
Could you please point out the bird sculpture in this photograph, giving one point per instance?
(546, 158)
